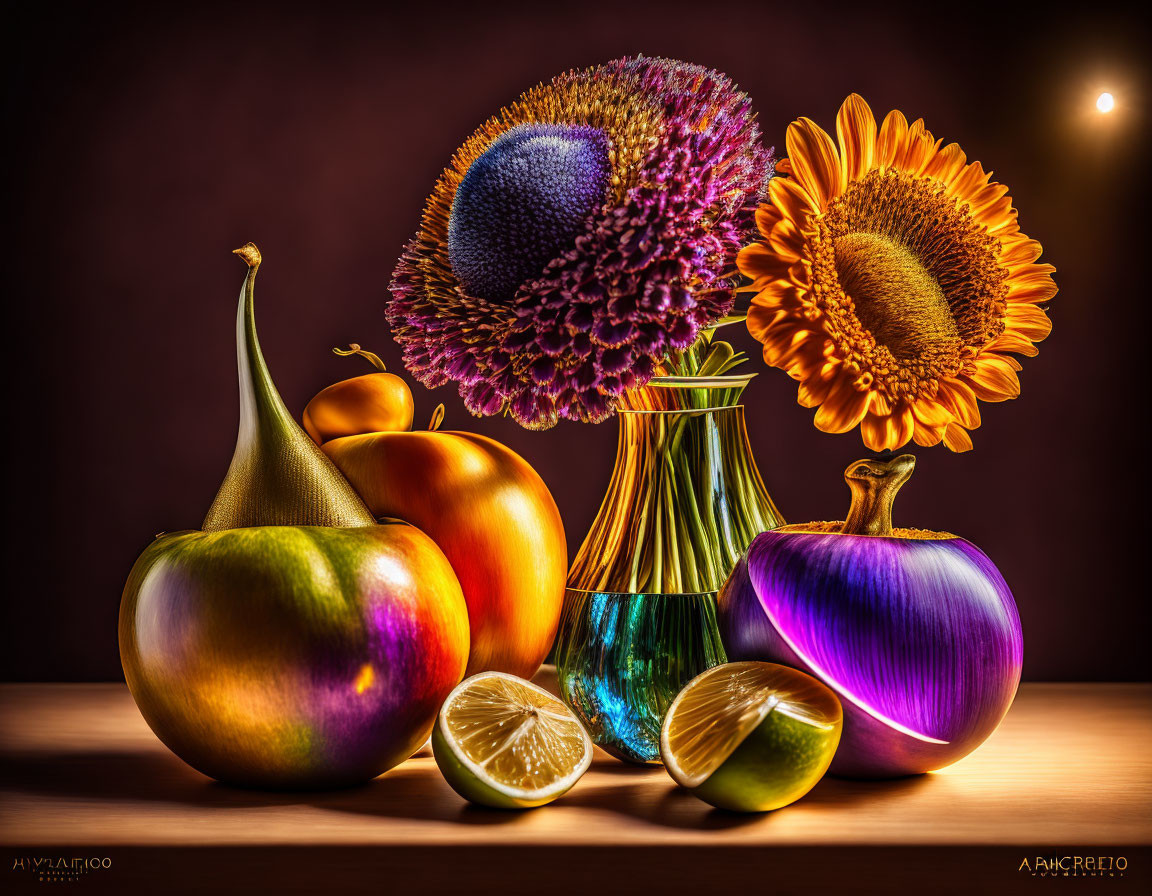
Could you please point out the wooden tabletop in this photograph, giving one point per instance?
(1069, 768)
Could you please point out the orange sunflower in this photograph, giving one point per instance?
(892, 281)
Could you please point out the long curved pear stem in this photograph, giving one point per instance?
(874, 484)
(354, 349)
(278, 477)
(260, 402)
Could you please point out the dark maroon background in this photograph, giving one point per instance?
(145, 145)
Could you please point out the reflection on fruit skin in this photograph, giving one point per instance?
(293, 656)
(493, 517)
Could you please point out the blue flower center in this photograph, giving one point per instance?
(523, 202)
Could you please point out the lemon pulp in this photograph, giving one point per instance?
(716, 711)
(513, 737)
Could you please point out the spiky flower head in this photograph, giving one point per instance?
(579, 236)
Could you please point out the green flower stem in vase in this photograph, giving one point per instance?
(684, 502)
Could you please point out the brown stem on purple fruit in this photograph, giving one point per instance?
(874, 484)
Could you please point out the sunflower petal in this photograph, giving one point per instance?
(927, 436)
(992, 206)
(813, 390)
(786, 241)
(761, 318)
(890, 141)
(874, 432)
(994, 379)
(779, 336)
(804, 354)
(1035, 271)
(887, 432)
(776, 342)
(760, 264)
(947, 164)
(791, 199)
(767, 217)
(844, 408)
(969, 182)
(1013, 342)
(1031, 293)
(961, 400)
(957, 438)
(905, 426)
(1031, 283)
(776, 295)
(880, 405)
(1028, 320)
(919, 147)
(1019, 250)
(931, 413)
(1003, 222)
(856, 132)
(815, 161)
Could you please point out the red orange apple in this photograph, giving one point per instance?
(494, 519)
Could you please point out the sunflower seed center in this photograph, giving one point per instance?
(895, 296)
(909, 280)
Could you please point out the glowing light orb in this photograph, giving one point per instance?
(1105, 102)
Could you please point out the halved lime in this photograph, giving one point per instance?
(751, 736)
(504, 742)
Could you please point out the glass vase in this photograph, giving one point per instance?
(684, 502)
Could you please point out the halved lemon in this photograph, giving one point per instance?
(751, 736)
(504, 742)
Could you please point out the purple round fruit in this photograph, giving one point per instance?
(915, 631)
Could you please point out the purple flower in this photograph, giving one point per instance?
(579, 236)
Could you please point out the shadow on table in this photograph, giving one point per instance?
(406, 792)
(155, 777)
(841, 792)
(608, 765)
(668, 805)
